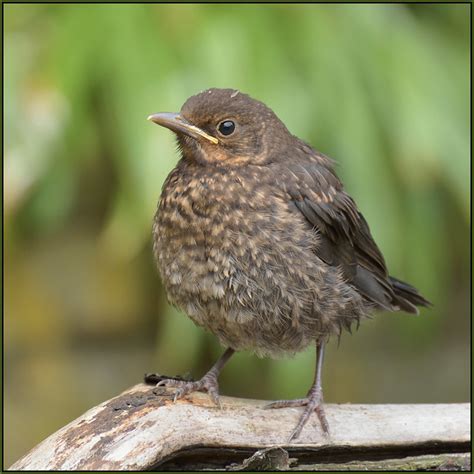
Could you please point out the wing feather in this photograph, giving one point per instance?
(345, 239)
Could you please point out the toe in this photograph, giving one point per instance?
(210, 385)
(169, 383)
(295, 433)
(299, 402)
(206, 384)
(179, 393)
(185, 388)
(322, 418)
(214, 394)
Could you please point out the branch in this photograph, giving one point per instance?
(142, 429)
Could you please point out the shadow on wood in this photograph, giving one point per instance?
(142, 429)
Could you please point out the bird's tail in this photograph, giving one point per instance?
(407, 296)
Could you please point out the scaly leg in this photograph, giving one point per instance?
(208, 383)
(313, 401)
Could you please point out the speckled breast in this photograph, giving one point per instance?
(238, 260)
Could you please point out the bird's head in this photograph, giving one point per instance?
(225, 127)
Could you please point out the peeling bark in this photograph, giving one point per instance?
(142, 429)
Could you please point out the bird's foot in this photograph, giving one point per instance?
(313, 403)
(207, 384)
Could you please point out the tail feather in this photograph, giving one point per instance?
(407, 297)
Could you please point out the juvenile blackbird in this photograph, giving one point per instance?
(257, 241)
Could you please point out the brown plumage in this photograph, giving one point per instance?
(257, 241)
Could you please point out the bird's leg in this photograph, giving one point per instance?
(208, 383)
(313, 401)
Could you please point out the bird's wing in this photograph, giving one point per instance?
(344, 236)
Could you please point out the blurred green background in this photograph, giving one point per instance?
(383, 89)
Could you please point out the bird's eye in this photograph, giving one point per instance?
(226, 127)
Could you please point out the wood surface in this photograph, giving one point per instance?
(143, 429)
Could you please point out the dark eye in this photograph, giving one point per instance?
(226, 127)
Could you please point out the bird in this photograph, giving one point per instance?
(257, 241)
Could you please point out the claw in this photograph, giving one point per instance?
(206, 384)
(299, 402)
(322, 418)
(313, 403)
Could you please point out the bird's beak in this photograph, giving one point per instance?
(176, 123)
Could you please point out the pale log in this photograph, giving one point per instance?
(142, 429)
